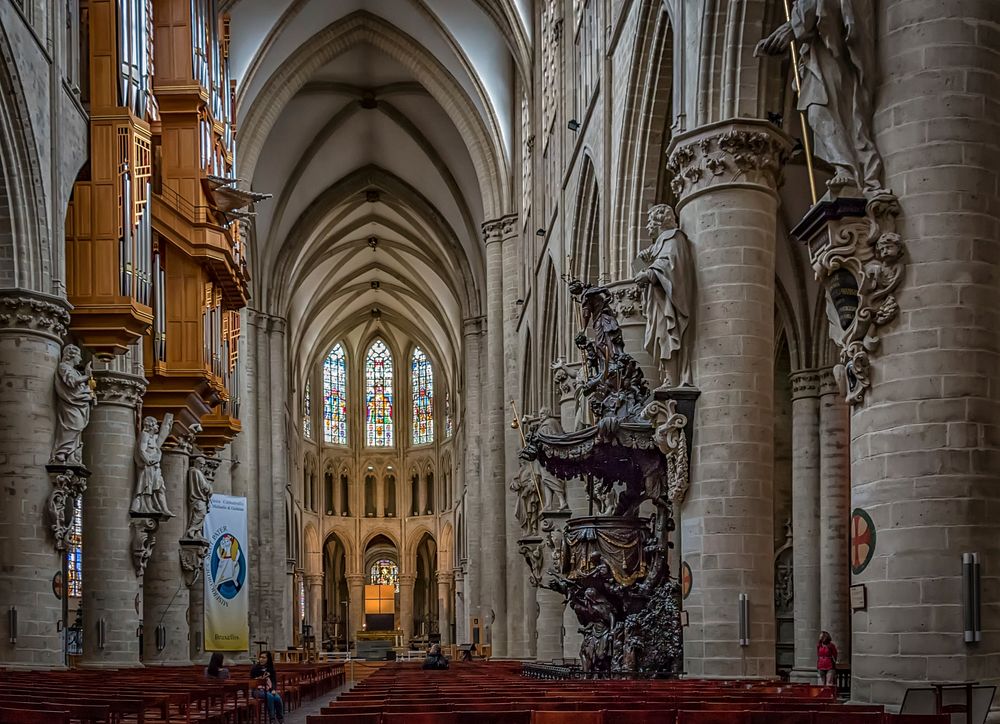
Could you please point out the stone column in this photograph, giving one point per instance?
(421, 494)
(278, 610)
(165, 595)
(472, 507)
(494, 500)
(314, 596)
(551, 604)
(805, 521)
(461, 636)
(834, 511)
(380, 497)
(31, 330)
(356, 601)
(725, 176)
(406, 581)
(111, 590)
(444, 587)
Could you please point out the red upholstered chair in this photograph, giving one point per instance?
(566, 717)
(639, 716)
(713, 716)
(344, 719)
(33, 716)
(447, 717)
(494, 717)
(846, 717)
(781, 717)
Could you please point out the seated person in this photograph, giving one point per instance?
(215, 670)
(435, 659)
(266, 686)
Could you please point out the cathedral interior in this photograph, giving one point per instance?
(548, 326)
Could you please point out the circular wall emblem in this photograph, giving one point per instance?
(229, 566)
(686, 580)
(57, 585)
(862, 540)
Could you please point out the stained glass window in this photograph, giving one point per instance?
(302, 599)
(307, 426)
(449, 420)
(422, 376)
(335, 396)
(385, 573)
(74, 554)
(378, 395)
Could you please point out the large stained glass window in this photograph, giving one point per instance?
(378, 395)
(449, 420)
(307, 425)
(74, 553)
(385, 573)
(422, 376)
(335, 396)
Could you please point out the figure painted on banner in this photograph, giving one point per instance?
(75, 399)
(227, 576)
(667, 284)
(151, 489)
(199, 498)
(836, 44)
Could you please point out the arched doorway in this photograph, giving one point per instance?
(381, 585)
(335, 595)
(425, 599)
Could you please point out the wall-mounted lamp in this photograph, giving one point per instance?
(12, 623)
(744, 603)
(573, 125)
(539, 232)
(102, 633)
(161, 637)
(519, 302)
(971, 597)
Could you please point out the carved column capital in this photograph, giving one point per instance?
(444, 577)
(805, 383)
(828, 382)
(745, 152)
(314, 579)
(119, 388)
(68, 483)
(22, 310)
(499, 229)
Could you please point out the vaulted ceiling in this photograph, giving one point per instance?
(384, 130)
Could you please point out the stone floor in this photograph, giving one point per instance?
(312, 707)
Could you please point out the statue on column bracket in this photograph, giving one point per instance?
(531, 550)
(667, 284)
(150, 495)
(553, 490)
(837, 78)
(74, 400)
(669, 436)
(68, 484)
(199, 498)
(143, 540)
(528, 508)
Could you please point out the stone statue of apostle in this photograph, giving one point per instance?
(151, 490)
(74, 400)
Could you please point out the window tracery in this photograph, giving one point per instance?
(385, 573)
(307, 411)
(422, 376)
(378, 395)
(74, 552)
(449, 419)
(335, 396)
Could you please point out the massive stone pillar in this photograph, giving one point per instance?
(834, 503)
(356, 604)
(165, 595)
(278, 607)
(726, 175)
(461, 626)
(444, 586)
(494, 499)
(925, 443)
(111, 590)
(314, 605)
(406, 581)
(472, 508)
(805, 521)
(31, 330)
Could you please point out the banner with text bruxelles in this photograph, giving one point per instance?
(227, 587)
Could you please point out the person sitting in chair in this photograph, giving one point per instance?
(435, 659)
(266, 686)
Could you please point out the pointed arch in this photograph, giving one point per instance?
(587, 264)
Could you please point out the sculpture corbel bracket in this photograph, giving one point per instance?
(68, 484)
(856, 255)
(192, 557)
(143, 539)
(531, 549)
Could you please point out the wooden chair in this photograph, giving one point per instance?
(639, 716)
(494, 717)
(344, 719)
(33, 716)
(566, 717)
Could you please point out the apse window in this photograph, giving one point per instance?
(378, 395)
(335, 396)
